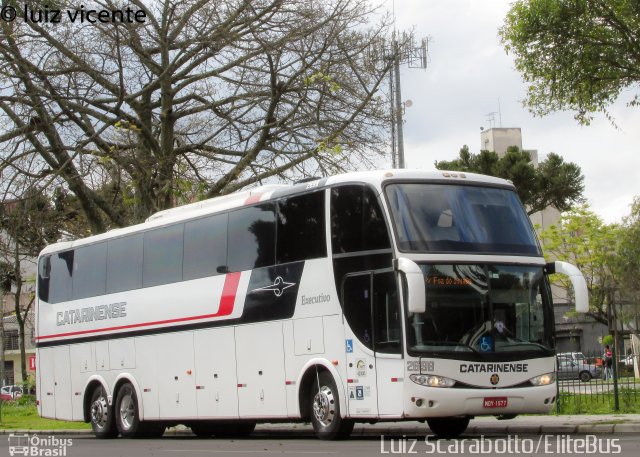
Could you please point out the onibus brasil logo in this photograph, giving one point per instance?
(36, 446)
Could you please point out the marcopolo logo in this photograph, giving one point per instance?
(37, 446)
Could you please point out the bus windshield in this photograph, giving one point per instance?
(460, 218)
(482, 309)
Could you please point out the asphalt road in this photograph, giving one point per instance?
(179, 446)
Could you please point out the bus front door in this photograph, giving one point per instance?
(357, 293)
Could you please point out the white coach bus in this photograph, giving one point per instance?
(375, 296)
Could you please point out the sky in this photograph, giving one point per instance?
(469, 75)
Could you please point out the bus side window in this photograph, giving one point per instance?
(60, 281)
(44, 271)
(252, 237)
(205, 247)
(357, 221)
(90, 271)
(163, 255)
(301, 233)
(124, 263)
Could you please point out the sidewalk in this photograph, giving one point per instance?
(522, 425)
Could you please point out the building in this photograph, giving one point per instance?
(11, 342)
(573, 332)
(12, 369)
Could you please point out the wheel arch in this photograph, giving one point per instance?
(305, 381)
(123, 379)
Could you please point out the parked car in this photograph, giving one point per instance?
(574, 369)
(629, 360)
(8, 393)
(575, 356)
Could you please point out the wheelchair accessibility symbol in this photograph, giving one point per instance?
(486, 344)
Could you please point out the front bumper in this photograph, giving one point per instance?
(421, 401)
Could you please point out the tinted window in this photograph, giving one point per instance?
(356, 298)
(60, 282)
(357, 221)
(301, 228)
(387, 324)
(90, 271)
(205, 246)
(252, 238)
(124, 263)
(454, 218)
(163, 256)
(44, 271)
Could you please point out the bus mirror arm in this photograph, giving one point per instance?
(415, 284)
(577, 281)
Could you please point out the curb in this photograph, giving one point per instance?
(368, 430)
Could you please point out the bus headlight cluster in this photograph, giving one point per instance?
(432, 380)
(543, 379)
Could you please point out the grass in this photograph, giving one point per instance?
(23, 415)
(629, 403)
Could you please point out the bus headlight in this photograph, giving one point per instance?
(432, 380)
(543, 379)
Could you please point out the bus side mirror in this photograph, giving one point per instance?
(577, 281)
(416, 296)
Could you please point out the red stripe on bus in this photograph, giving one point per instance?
(255, 198)
(229, 290)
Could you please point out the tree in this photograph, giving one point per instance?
(577, 55)
(26, 226)
(628, 263)
(583, 239)
(552, 183)
(201, 99)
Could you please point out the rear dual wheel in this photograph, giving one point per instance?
(101, 415)
(127, 416)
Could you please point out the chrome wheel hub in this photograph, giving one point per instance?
(127, 412)
(324, 406)
(100, 412)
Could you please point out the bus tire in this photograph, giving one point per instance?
(448, 427)
(127, 413)
(325, 409)
(101, 415)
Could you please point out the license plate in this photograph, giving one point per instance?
(495, 402)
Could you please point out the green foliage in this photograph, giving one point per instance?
(607, 340)
(628, 262)
(552, 183)
(582, 238)
(603, 403)
(17, 415)
(576, 55)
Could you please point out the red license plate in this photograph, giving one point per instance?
(495, 402)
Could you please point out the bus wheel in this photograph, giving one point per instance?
(102, 421)
(325, 410)
(448, 427)
(127, 415)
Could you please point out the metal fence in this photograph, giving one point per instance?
(586, 386)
